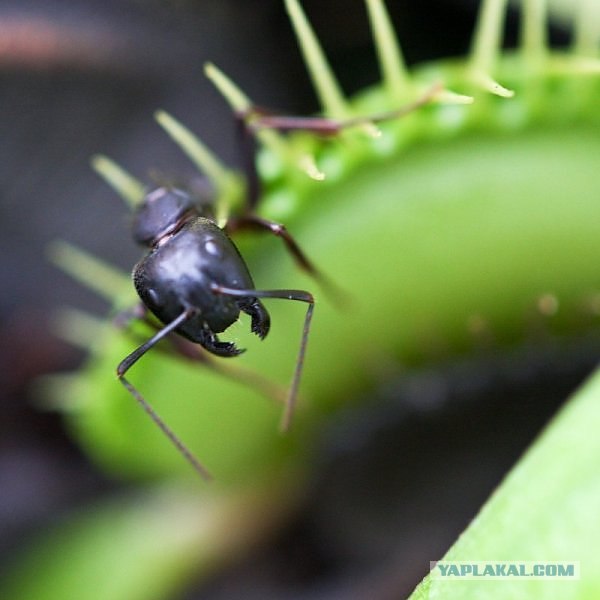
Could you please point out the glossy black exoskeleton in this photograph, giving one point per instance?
(190, 255)
(193, 278)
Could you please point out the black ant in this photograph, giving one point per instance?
(193, 278)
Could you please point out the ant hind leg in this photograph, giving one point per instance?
(129, 361)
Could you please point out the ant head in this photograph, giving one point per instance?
(160, 213)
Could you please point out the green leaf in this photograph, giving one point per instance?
(145, 545)
(546, 510)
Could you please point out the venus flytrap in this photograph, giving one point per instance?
(451, 226)
(358, 212)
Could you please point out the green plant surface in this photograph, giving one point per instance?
(144, 545)
(545, 510)
(463, 227)
(451, 232)
(434, 266)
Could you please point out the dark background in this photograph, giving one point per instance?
(85, 76)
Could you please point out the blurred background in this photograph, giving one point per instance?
(85, 76)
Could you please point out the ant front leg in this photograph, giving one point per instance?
(130, 360)
(254, 222)
(261, 321)
(301, 296)
(185, 349)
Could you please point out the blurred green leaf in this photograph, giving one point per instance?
(487, 239)
(146, 545)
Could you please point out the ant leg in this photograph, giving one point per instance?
(257, 118)
(250, 221)
(248, 151)
(261, 321)
(129, 361)
(196, 353)
(211, 342)
(300, 296)
(139, 312)
(254, 222)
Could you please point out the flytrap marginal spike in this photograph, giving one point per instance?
(323, 79)
(534, 37)
(586, 38)
(222, 179)
(229, 90)
(394, 72)
(77, 327)
(131, 189)
(90, 271)
(202, 157)
(487, 42)
(241, 104)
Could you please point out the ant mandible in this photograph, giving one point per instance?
(194, 279)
